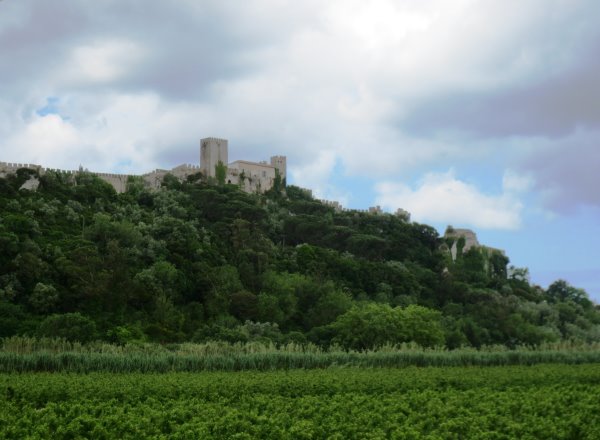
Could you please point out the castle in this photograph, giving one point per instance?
(250, 176)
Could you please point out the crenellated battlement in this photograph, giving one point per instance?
(188, 166)
(57, 170)
(16, 166)
(115, 176)
(249, 176)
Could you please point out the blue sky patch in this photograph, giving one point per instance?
(51, 107)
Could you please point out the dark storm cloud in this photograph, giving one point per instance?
(548, 106)
(566, 172)
(559, 119)
(555, 114)
(187, 47)
(35, 41)
(190, 48)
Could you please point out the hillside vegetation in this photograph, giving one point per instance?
(197, 262)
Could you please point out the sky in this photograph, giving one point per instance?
(482, 114)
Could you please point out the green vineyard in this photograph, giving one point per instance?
(527, 402)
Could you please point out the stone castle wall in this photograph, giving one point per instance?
(7, 168)
(250, 176)
(256, 176)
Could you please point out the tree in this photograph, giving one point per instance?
(269, 309)
(561, 291)
(244, 305)
(423, 325)
(373, 325)
(167, 320)
(224, 281)
(368, 326)
(497, 265)
(44, 298)
(220, 173)
(71, 326)
(329, 306)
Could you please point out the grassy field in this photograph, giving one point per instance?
(20, 355)
(541, 401)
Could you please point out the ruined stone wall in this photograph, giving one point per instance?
(470, 242)
(455, 234)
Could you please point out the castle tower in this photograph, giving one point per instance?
(212, 151)
(279, 162)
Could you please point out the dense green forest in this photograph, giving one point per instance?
(198, 262)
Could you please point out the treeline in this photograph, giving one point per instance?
(197, 262)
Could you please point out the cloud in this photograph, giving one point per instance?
(566, 171)
(108, 133)
(316, 176)
(390, 88)
(514, 182)
(442, 198)
(99, 62)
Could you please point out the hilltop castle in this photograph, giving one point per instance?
(250, 176)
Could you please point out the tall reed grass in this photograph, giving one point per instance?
(23, 354)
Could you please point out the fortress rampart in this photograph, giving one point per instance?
(16, 166)
(214, 152)
(250, 176)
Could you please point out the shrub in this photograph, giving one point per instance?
(71, 326)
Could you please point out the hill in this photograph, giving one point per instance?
(198, 262)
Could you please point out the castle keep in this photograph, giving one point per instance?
(250, 176)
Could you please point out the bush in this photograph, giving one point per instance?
(71, 326)
(374, 325)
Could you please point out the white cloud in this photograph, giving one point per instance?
(516, 183)
(42, 140)
(275, 77)
(115, 132)
(442, 198)
(316, 175)
(100, 62)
